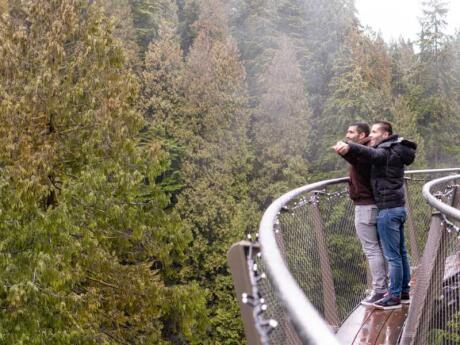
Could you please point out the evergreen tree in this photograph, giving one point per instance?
(431, 97)
(121, 13)
(147, 16)
(360, 90)
(406, 126)
(403, 65)
(88, 245)
(433, 23)
(280, 128)
(188, 11)
(328, 23)
(254, 25)
(215, 165)
(454, 51)
(163, 77)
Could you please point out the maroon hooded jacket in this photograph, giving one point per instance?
(360, 188)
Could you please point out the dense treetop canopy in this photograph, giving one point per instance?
(141, 138)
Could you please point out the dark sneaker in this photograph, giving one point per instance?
(405, 298)
(388, 302)
(372, 298)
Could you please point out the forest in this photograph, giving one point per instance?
(141, 138)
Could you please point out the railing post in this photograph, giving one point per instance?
(430, 275)
(414, 251)
(329, 296)
(456, 197)
(237, 260)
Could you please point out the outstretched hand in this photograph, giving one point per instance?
(341, 148)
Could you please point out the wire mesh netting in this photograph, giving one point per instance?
(440, 319)
(316, 237)
(438, 311)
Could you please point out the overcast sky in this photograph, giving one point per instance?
(395, 18)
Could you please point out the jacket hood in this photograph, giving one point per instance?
(406, 148)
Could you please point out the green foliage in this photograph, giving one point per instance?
(147, 15)
(199, 110)
(89, 253)
(254, 26)
(360, 90)
(281, 126)
(121, 14)
(431, 87)
(188, 11)
(216, 163)
(121, 192)
(406, 122)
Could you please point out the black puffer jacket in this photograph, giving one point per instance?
(388, 159)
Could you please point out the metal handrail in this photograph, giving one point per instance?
(309, 325)
(435, 202)
(431, 171)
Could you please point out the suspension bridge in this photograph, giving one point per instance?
(301, 280)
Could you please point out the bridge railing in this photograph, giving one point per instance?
(434, 314)
(316, 273)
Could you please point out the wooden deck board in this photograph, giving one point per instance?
(389, 335)
(370, 326)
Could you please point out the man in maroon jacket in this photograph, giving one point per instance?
(366, 213)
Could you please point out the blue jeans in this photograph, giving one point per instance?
(390, 226)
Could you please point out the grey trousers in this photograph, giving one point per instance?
(366, 229)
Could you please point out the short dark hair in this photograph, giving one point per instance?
(385, 126)
(362, 127)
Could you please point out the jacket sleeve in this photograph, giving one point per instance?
(353, 160)
(374, 155)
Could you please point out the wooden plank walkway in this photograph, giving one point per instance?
(367, 325)
(370, 326)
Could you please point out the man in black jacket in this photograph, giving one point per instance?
(360, 192)
(389, 154)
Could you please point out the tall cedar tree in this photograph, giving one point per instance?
(254, 26)
(87, 245)
(403, 66)
(327, 23)
(147, 15)
(280, 127)
(433, 97)
(120, 12)
(188, 12)
(163, 98)
(360, 90)
(405, 123)
(216, 163)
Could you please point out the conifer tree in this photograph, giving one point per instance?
(403, 66)
(215, 165)
(280, 127)
(432, 97)
(255, 28)
(405, 125)
(360, 90)
(163, 91)
(327, 27)
(188, 12)
(88, 245)
(121, 13)
(147, 16)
